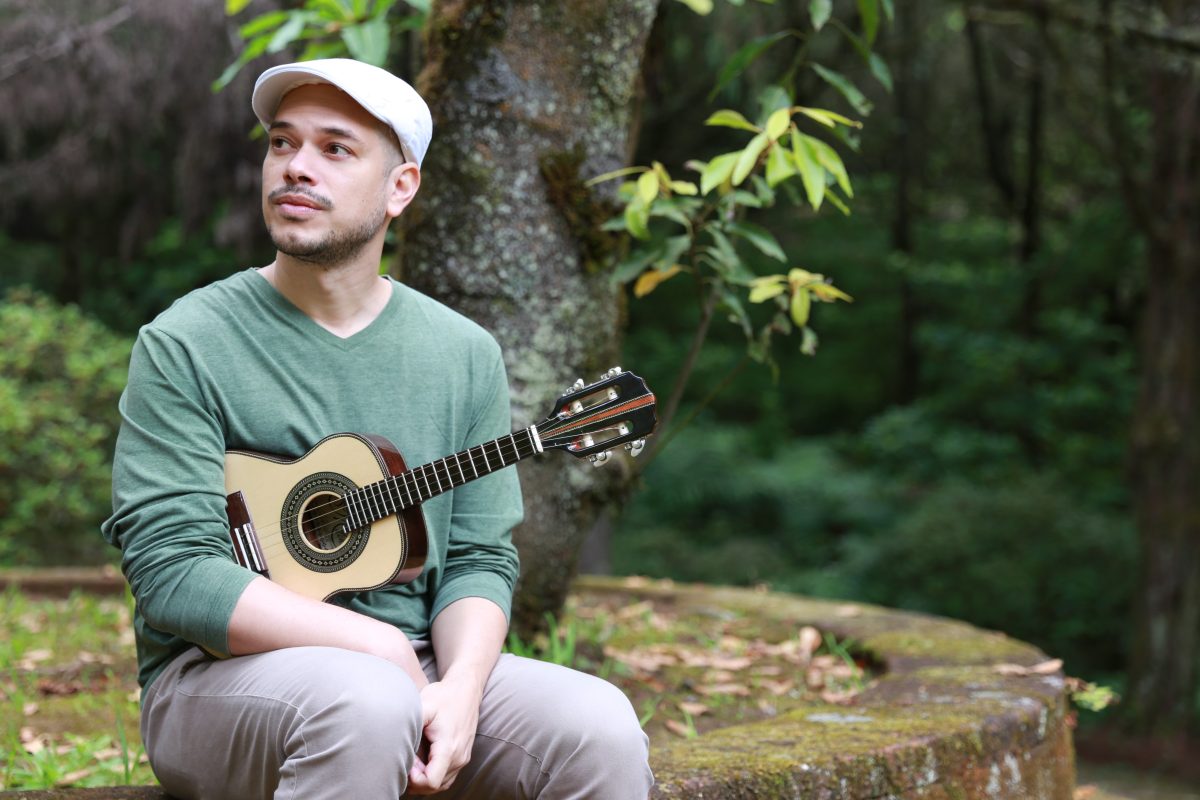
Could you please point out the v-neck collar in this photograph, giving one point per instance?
(290, 313)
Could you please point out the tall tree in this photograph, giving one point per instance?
(530, 99)
(1149, 58)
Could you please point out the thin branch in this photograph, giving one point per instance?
(64, 43)
(1179, 39)
(660, 443)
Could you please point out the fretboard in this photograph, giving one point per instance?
(399, 492)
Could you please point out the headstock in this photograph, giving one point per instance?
(591, 419)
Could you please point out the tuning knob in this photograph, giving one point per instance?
(635, 447)
(598, 459)
(577, 385)
(612, 373)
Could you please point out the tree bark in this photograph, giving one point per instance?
(1166, 432)
(530, 98)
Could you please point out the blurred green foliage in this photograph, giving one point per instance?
(61, 374)
(996, 496)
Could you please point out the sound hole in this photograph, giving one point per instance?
(322, 521)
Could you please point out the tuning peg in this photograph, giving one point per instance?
(635, 447)
(612, 373)
(577, 385)
(598, 459)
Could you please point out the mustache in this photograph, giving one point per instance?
(322, 201)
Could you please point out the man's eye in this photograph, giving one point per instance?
(278, 142)
(338, 150)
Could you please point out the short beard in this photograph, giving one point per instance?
(337, 248)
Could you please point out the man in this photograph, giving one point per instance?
(249, 689)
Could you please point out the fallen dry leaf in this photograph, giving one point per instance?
(848, 610)
(1044, 668)
(838, 698)
(810, 640)
(29, 709)
(768, 670)
(679, 729)
(74, 777)
(695, 709)
(724, 688)
(779, 688)
(1084, 792)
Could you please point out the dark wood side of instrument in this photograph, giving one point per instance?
(412, 519)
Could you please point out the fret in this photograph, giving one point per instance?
(516, 450)
(407, 491)
(388, 496)
(471, 461)
(372, 506)
(436, 478)
(486, 464)
(462, 475)
(428, 491)
(499, 455)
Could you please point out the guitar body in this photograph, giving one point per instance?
(288, 518)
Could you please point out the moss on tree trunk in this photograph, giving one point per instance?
(529, 100)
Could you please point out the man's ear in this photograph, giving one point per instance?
(403, 182)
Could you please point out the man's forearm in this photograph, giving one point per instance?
(467, 637)
(269, 617)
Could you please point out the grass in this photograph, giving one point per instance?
(68, 690)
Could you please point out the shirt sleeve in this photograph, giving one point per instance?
(481, 560)
(169, 516)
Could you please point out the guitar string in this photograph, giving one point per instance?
(509, 453)
(412, 485)
(477, 455)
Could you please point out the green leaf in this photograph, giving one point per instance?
(808, 341)
(763, 289)
(717, 171)
(318, 49)
(639, 257)
(760, 237)
(819, 11)
(837, 203)
(830, 119)
(779, 166)
(868, 11)
(637, 220)
(848, 90)
(729, 118)
(262, 23)
(423, 5)
(748, 158)
(683, 187)
(800, 307)
(288, 32)
(763, 189)
(889, 10)
(746, 55)
(647, 187)
(331, 10)
(879, 69)
(778, 123)
(737, 311)
(828, 158)
(701, 7)
(617, 173)
(771, 99)
(811, 171)
(368, 41)
(235, 6)
(741, 197)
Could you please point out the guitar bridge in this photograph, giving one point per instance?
(245, 540)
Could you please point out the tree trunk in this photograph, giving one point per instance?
(1166, 432)
(530, 98)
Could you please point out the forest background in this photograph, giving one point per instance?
(1000, 428)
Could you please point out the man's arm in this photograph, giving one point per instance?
(269, 617)
(467, 637)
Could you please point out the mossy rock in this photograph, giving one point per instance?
(939, 721)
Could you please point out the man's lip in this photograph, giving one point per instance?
(296, 200)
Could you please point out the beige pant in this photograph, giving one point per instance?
(311, 723)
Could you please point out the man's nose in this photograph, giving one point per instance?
(299, 166)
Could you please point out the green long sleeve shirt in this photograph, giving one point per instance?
(236, 366)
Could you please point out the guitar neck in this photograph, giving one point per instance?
(399, 492)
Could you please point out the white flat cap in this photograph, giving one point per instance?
(382, 94)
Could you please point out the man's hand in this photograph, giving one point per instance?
(467, 636)
(451, 714)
